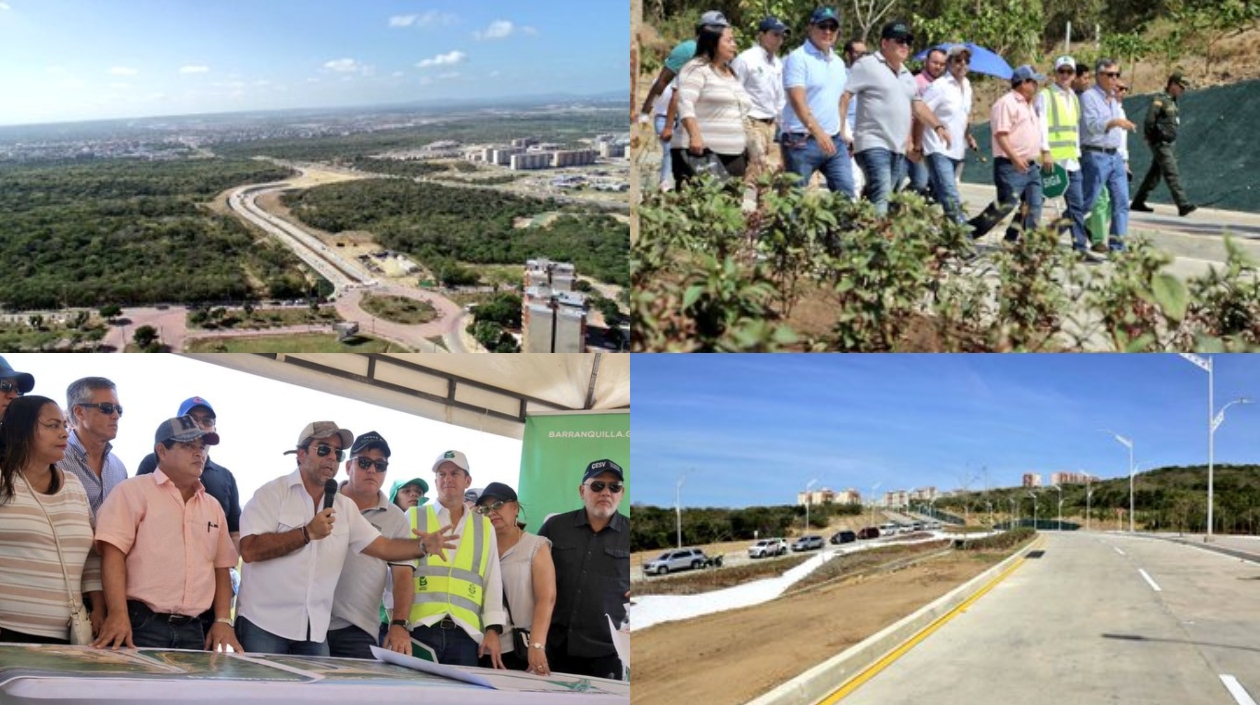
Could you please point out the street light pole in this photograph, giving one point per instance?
(1060, 489)
(682, 477)
(811, 484)
(873, 488)
(1034, 499)
(1014, 514)
(1216, 423)
(1129, 444)
(1089, 495)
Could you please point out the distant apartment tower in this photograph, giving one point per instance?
(849, 496)
(612, 150)
(896, 498)
(503, 155)
(530, 160)
(923, 494)
(576, 157)
(554, 316)
(524, 142)
(1032, 479)
(1071, 478)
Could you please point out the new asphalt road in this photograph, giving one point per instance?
(1093, 618)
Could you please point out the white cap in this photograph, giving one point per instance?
(452, 456)
(1064, 61)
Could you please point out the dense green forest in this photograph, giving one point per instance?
(431, 221)
(130, 232)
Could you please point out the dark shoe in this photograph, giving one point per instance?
(1098, 248)
(1088, 257)
(1141, 207)
(1187, 209)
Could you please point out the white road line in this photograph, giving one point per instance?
(1235, 689)
(1118, 550)
(1154, 587)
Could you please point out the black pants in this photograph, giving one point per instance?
(599, 667)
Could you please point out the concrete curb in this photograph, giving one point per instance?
(825, 678)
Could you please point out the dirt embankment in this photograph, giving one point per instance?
(732, 657)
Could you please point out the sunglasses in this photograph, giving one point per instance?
(1065, 70)
(1110, 74)
(901, 40)
(105, 408)
(598, 486)
(7, 386)
(484, 509)
(828, 27)
(366, 462)
(322, 451)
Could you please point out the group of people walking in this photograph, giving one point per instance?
(90, 556)
(828, 111)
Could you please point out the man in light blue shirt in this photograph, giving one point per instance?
(92, 404)
(814, 77)
(1103, 127)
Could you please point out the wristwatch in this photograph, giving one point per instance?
(401, 623)
(496, 628)
(535, 645)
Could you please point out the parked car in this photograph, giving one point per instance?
(764, 548)
(680, 559)
(869, 532)
(843, 537)
(808, 543)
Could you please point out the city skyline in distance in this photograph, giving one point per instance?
(78, 61)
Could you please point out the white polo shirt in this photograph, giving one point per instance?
(280, 595)
(762, 76)
(357, 600)
(950, 100)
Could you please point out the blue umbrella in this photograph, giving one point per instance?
(982, 60)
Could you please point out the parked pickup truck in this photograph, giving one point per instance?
(681, 559)
(765, 548)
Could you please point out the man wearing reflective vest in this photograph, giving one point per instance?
(1060, 111)
(458, 609)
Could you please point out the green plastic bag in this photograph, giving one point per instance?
(1097, 220)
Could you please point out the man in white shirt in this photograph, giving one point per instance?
(294, 549)
(760, 70)
(949, 98)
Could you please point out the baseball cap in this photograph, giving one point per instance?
(183, 429)
(680, 55)
(452, 456)
(367, 441)
(771, 24)
(471, 494)
(497, 490)
(824, 14)
(1024, 73)
(193, 402)
(1179, 80)
(956, 50)
(25, 381)
(322, 429)
(424, 489)
(1064, 61)
(712, 18)
(602, 466)
(897, 30)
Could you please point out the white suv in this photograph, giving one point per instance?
(768, 547)
(681, 559)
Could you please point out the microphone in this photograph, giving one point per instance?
(330, 491)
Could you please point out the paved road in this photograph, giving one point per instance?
(1083, 624)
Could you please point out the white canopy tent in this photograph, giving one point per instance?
(489, 393)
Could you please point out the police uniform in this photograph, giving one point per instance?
(1163, 121)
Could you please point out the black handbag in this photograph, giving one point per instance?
(520, 637)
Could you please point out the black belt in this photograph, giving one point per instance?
(169, 618)
(447, 623)
(1106, 150)
(764, 121)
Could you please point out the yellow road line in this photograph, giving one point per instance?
(875, 668)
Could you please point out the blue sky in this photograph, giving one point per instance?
(755, 429)
(93, 59)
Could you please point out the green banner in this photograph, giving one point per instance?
(555, 452)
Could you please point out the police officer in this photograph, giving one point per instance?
(1163, 119)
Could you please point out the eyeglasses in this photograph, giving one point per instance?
(1066, 70)
(828, 27)
(105, 408)
(1109, 74)
(322, 451)
(205, 421)
(903, 41)
(598, 486)
(7, 386)
(484, 509)
(366, 462)
(961, 60)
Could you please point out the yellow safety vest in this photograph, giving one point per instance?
(1063, 121)
(456, 585)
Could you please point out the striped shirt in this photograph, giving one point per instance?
(718, 102)
(34, 597)
(97, 487)
(172, 546)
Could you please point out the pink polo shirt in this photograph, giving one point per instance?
(172, 546)
(1014, 115)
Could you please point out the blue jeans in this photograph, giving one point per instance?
(884, 170)
(255, 639)
(452, 646)
(1075, 211)
(919, 177)
(351, 642)
(1099, 168)
(944, 189)
(666, 170)
(149, 630)
(802, 156)
(1013, 187)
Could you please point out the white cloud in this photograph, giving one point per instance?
(5, 6)
(449, 59)
(432, 18)
(342, 65)
(498, 29)
(123, 71)
(194, 69)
